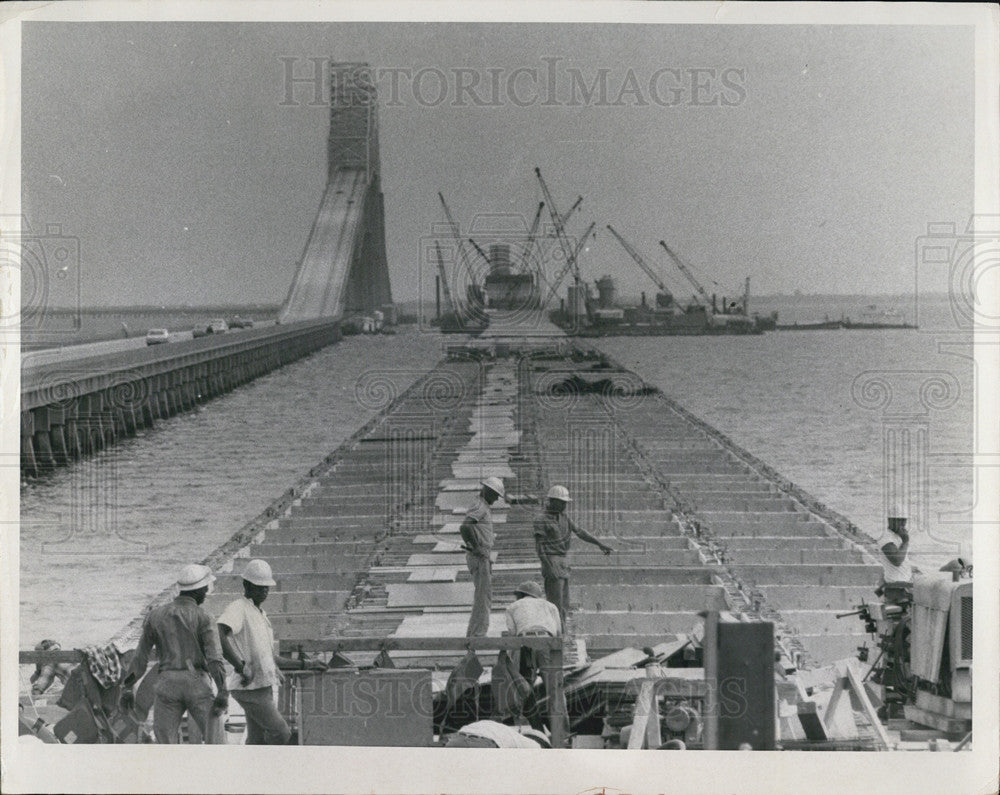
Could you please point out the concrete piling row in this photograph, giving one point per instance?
(69, 412)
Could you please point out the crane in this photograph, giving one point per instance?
(560, 230)
(664, 290)
(458, 238)
(570, 262)
(443, 277)
(706, 300)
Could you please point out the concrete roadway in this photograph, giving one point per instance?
(124, 353)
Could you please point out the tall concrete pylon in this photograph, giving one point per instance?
(343, 267)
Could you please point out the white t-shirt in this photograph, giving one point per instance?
(253, 638)
(890, 571)
(529, 612)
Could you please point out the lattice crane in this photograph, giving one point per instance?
(687, 273)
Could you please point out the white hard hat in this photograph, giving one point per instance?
(494, 484)
(195, 576)
(559, 493)
(259, 573)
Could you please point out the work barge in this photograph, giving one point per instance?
(710, 543)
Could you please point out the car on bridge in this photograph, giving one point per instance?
(217, 326)
(241, 322)
(157, 336)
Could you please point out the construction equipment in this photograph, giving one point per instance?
(569, 252)
(705, 298)
(924, 636)
(570, 263)
(664, 298)
(452, 319)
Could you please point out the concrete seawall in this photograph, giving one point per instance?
(72, 409)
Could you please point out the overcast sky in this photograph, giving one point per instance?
(808, 158)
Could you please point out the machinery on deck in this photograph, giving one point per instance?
(924, 641)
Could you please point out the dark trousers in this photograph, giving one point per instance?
(557, 592)
(178, 692)
(481, 570)
(265, 726)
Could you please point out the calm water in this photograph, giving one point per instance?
(101, 538)
(177, 491)
(796, 401)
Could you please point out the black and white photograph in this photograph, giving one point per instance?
(560, 381)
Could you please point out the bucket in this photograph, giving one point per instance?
(236, 731)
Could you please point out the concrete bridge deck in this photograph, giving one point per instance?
(371, 547)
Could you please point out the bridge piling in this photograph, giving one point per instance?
(96, 409)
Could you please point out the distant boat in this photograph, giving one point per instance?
(875, 318)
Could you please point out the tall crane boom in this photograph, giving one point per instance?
(687, 273)
(560, 228)
(570, 262)
(639, 260)
(443, 276)
(458, 238)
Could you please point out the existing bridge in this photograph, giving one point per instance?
(72, 406)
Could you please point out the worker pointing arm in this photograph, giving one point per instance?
(582, 534)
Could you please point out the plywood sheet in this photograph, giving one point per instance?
(445, 625)
(405, 594)
(439, 559)
(433, 575)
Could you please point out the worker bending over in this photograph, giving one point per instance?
(553, 532)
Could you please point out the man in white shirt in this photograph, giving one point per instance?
(248, 644)
(531, 614)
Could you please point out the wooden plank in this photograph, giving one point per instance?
(866, 706)
(434, 575)
(421, 644)
(429, 594)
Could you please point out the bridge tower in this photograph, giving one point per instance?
(343, 268)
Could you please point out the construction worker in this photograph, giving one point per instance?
(553, 532)
(531, 614)
(187, 644)
(248, 645)
(477, 541)
(897, 573)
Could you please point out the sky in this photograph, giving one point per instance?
(190, 170)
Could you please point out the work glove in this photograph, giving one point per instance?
(126, 701)
(220, 704)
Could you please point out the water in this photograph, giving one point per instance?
(140, 511)
(101, 538)
(793, 399)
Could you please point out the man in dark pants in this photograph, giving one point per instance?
(477, 540)
(553, 532)
(189, 653)
(248, 644)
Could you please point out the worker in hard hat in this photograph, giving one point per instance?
(248, 644)
(190, 657)
(553, 532)
(477, 541)
(531, 614)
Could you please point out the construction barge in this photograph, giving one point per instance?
(724, 572)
